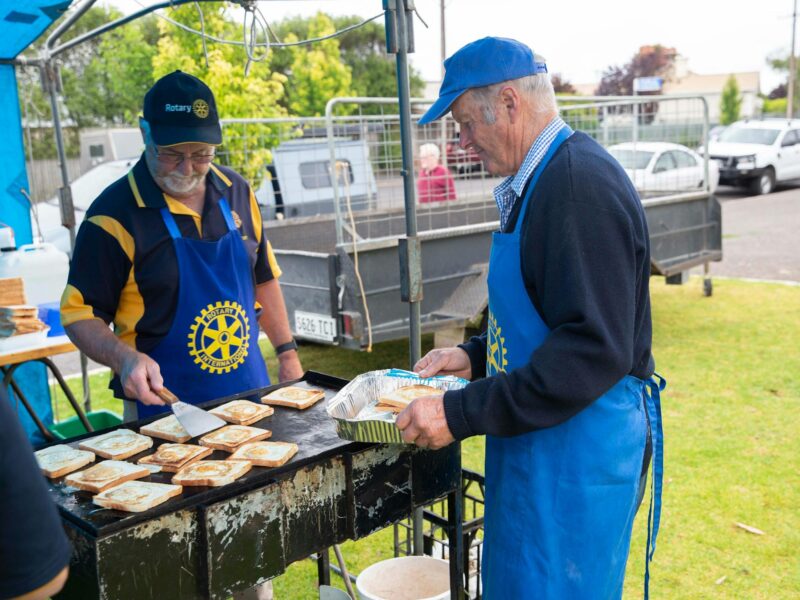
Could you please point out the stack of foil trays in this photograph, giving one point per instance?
(353, 408)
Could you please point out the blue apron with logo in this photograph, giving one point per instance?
(560, 502)
(211, 350)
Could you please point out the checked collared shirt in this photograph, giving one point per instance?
(509, 190)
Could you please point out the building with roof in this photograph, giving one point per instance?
(684, 82)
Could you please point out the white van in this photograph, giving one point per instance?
(299, 182)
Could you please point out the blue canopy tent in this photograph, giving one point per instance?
(20, 25)
(19, 28)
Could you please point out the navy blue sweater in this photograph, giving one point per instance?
(585, 256)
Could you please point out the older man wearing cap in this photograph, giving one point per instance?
(174, 255)
(562, 380)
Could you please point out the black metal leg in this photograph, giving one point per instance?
(324, 567)
(67, 392)
(8, 380)
(455, 539)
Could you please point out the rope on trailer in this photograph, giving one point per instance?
(341, 167)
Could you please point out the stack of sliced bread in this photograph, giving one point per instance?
(18, 319)
(12, 291)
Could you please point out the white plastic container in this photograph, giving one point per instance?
(405, 578)
(43, 268)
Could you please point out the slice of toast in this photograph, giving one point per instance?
(105, 475)
(59, 460)
(213, 473)
(136, 496)
(168, 428)
(265, 454)
(386, 408)
(403, 396)
(172, 457)
(294, 397)
(230, 437)
(242, 412)
(118, 444)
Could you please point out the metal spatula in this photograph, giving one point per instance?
(195, 420)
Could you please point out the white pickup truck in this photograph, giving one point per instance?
(758, 153)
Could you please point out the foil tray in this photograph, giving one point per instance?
(353, 407)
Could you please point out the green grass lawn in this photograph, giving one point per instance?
(731, 413)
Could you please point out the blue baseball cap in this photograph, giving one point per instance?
(481, 63)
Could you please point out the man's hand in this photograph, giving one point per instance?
(423, 423)
(289, 366)
(445, 361)
(140, 376)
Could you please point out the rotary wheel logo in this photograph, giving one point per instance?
(496, 361)
(218, 337)
(200, 108)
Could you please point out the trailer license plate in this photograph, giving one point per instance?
(314, 326)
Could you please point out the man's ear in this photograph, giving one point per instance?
(511, 102)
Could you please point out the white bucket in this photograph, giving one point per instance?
(405, 578)
(43, 268)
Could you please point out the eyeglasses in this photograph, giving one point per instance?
(175, 158)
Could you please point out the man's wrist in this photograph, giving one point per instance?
(284, 348)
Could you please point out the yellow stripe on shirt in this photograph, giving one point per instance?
(221, 175)
(74, 307)
(135, 189)
(255, 216)
(273, 263)
(115, 229)
(176, 207)
(129, 311)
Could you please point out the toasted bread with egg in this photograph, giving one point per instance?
(118, 444)
(266, 454)
(136, 496)
(294, 397)
(242, 412)
(105, 474)
(172, 457)
(59, 460)
(230, 437)
(212, 473)
(168, 428)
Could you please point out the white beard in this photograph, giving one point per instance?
(178, 184)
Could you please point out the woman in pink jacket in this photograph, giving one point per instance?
(435, 183)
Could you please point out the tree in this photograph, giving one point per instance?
(730, 103)
(109, 89)
(363, 50)
(780, 91)
(781, 63)
(316, 73)
(650, 61)
(247, 148)
(561, 85)
(374, 71)
(104, 79)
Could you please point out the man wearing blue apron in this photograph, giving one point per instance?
(562, 380)
(174, 255)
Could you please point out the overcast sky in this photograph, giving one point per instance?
(580, 38)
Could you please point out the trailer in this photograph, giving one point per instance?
(343, 269)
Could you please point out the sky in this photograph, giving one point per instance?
(581, 38)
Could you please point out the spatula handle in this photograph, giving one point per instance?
(167, 396)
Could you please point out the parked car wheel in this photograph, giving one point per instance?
(764, 184)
